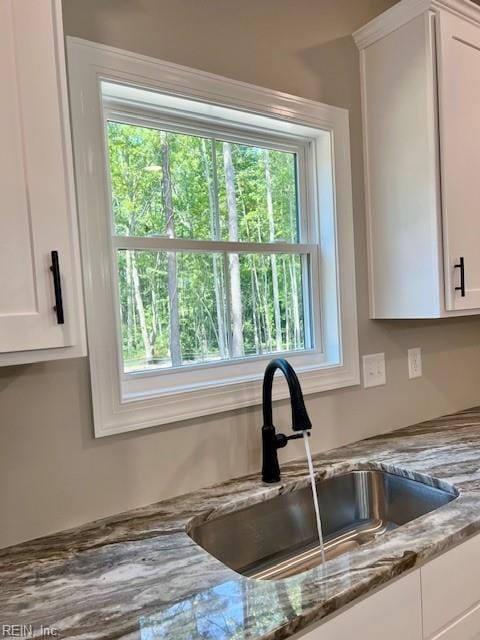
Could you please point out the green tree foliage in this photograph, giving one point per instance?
(271, 289)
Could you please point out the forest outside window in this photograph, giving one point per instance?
(217, 233)
(208, 238)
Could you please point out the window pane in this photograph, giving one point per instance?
(257, 193)
(180, 309)
(272, 303)
(172, 309)
(162, 183)
(192, 187)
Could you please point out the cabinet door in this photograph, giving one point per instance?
(458, 50)
(393, 613)
(35, 207)
(450, 587)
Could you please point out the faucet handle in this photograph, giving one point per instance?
(296, 436)
(281, 440)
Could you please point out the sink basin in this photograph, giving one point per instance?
(277, 538)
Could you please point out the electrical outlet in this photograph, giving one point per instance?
(415, 363)
(374, 370)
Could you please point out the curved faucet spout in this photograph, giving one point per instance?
(300, 419)
(271, 441)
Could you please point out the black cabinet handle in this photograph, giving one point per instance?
(57, 285)
(461, 266)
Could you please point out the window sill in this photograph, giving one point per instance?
(134, 412)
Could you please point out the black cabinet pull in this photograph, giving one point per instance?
(57, 285)
(461, 266)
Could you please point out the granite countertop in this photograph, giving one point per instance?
(139, 575)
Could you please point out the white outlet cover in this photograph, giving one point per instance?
(374, 373)
(415, 363)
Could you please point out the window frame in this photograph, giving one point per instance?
(308, 246)
(124, 401)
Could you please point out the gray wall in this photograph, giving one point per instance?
(53, 474)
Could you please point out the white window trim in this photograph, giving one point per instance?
(116, 412)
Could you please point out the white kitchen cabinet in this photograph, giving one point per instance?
(439, 601)
(458, 60)
(451, 593)
(420, 68)
(37, 210)
(393, 612)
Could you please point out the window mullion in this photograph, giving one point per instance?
(164, 243)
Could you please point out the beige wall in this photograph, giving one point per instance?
(53, 474)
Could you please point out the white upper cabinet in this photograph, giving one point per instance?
(41, 314)
(458, 60)
(420, 68)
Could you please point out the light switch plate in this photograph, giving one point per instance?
(415, 363)
(374, 373)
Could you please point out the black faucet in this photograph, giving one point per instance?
(271, 441)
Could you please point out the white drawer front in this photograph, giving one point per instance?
(393, 613)
(451, 586)
(465, 628)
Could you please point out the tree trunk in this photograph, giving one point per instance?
(296, 315)
(217, 273)
(175, 352)
(266, 310)
(128, 267)
(141, 309)
(293, 278)
(287, 307)
(273, 257)
(234, 261)
(254, 313)
(153, 298)
(261, 337)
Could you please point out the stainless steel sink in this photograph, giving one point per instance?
(277, 538)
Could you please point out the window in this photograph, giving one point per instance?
(212, 238)
(211, 260)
